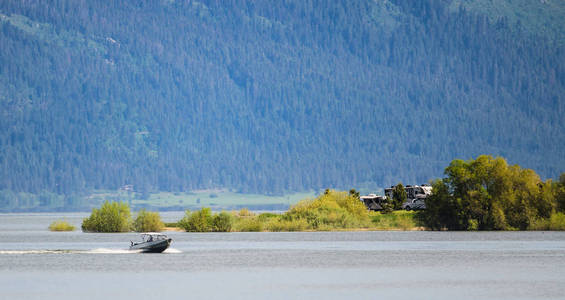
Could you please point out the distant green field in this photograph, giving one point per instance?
(216, 199)
(219, 199)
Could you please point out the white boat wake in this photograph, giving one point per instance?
(93, 251)
(36, 251)
(111, 251)
(172, 251)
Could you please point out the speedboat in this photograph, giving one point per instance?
(153, 242)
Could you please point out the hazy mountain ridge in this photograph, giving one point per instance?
(268, 97)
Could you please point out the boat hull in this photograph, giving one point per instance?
(152, 247)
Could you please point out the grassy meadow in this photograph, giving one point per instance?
(215, 199)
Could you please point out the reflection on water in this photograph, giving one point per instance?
(38, 264)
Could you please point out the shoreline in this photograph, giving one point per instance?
(419, 228)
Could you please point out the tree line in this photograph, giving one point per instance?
(264, 97)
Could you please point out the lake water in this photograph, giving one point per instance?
(38, 264)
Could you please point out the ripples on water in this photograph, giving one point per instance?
(38, 264)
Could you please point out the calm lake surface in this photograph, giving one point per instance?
(38, 264)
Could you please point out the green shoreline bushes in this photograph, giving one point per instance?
(397, 220)
(61, 225)
(116, 217)
(111, 217)
(204, 221)
(222, 222)
(555, 222)
(330, 210)
(481, 194)
(148, 221)
(488, 194)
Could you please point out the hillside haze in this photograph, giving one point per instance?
(274, 96)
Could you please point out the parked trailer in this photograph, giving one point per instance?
(412, 191)
(415, 197)
(374, 202)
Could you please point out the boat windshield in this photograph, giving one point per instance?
(148, 237)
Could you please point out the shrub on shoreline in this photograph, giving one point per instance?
(148, 221)
(244, 212)
(555, 222)
(111, 217)
(328, 221)
(398, 220)
(265, 217)
(331, 210)
(248, 225)
(222, 222)
(61, 225)
(204, 221)
(278, 225)
(197, 221)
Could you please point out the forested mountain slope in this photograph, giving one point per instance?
(271, 96)
(539, 17)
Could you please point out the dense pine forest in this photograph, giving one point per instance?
(273, 96)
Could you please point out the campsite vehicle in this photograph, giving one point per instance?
(412, 191)
(415, 204)
(374, 202)
(415, 198)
